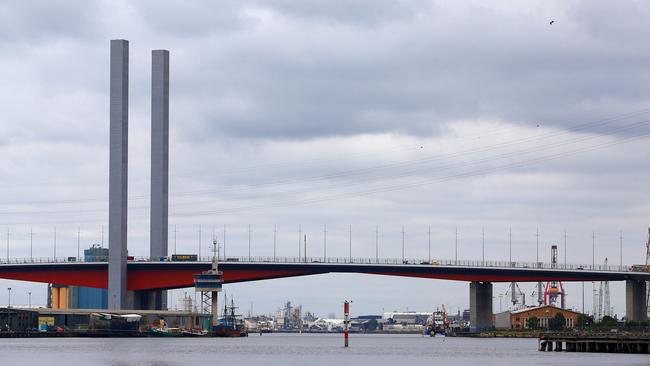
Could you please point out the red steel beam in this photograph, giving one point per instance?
(143, 278)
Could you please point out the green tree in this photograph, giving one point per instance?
(557, 322)
(585, 321)
(533, 322)
(608, 322)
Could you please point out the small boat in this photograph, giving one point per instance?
(438, 323)
(160, 329)
(194, 333)
(165, 332)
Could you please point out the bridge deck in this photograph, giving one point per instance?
(144, 274)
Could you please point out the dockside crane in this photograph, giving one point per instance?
(554, 289)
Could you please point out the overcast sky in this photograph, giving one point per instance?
(462, 114)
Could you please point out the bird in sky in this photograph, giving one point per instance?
(551, 22)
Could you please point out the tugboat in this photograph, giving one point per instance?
(160, 329)
(437, 323)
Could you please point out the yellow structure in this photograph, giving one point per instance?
(60, 297)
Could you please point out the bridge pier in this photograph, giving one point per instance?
(480, 306)
(635, 301)
(147, 300)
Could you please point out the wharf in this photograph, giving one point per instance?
(72, 334)
(619, 342)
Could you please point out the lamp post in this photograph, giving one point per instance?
(29, 296)
(403, 261)
(350, 255)
(9, 300)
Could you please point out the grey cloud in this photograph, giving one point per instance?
(405, 73)
(325, 81)
(183, 19)
(354, 12)
(22, 21)
(349, 81)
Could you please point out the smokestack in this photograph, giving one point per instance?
(118, 174)
(159, 163)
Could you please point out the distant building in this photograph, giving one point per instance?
(75, 297)
(369, 317)
(520, 319)
(324, 324)
(406, 318)
(466, 315)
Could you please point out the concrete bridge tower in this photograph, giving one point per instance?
(118, 173)
(157, 300)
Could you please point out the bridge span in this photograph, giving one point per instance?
(145, 274)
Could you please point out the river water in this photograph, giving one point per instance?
(296, 349)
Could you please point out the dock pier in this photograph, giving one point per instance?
(595, 342)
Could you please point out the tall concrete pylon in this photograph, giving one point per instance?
(159, 165)
(118, 174)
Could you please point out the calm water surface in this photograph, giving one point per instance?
(295, 349)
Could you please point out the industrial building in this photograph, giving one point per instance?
(408, 317)
(21, 320)
(519, 319)
(408, 321)
(76, 297)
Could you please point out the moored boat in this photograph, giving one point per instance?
(230, 325)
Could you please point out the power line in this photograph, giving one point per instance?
(415, 184)
(541, 137)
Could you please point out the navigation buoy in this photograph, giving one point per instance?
(346, 321)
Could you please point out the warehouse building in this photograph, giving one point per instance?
(522, 319)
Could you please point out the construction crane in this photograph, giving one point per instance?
(515, 294)
(554, 289)
(604, 308)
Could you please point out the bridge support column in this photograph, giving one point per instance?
(157, 300)
(146, 300)
(635, 301)
(118, 174)
(480, 306)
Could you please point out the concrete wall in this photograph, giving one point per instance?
(502, 320)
